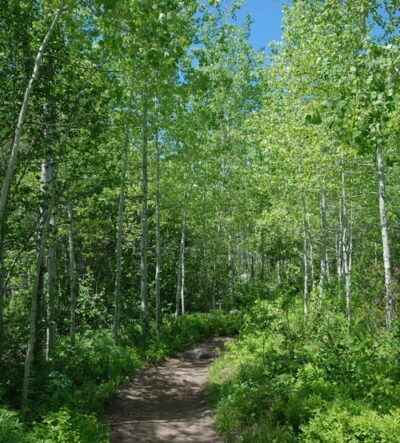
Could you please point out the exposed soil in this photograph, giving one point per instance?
(167, 403)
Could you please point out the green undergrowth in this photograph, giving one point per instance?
(285, 380)
(68, 393)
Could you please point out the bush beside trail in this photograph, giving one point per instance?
(289, 380)
(68, 396)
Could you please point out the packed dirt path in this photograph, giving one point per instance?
(167, 403)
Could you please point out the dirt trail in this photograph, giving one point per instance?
(166, 403)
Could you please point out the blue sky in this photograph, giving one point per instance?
(267, 16)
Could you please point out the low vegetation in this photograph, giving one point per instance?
(69, 392)
(289, 380)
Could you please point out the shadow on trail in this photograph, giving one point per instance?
(165, 403)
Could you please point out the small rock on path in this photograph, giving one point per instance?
(167, 403)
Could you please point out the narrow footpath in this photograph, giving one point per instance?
(167, 403)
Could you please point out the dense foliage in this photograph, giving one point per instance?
(71, 389)
(286, 380)
(154, 165)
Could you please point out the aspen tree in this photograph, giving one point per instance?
(120, 233)
(12, 160)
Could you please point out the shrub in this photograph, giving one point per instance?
(349, 422)
(71, 388)
(65, 426)
(285, 378)
(11, 430)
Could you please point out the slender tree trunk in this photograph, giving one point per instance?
(214, 286)
(278, 272)
(40, 338)
(5, 188)
(120, 234)
(215, 265)
(262, 256)
(339, 261)
(349, 267)
(144, 222)
(311, 251)
(45, 219)
(305, 256)
(311, 248)
(385, 238)
(72, 272)
(230, 266)
(158, 235)
(323, 246)
(205, 262)
(180, 291)
(252, 270)
(328, 272)
(178, 285)
(183, 271)
(338, 255)
(51, 267)
(346, 250)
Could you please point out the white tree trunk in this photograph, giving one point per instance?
(45, 219)
(230, 266)
(180, 290)
(120, 234)
(339, 255)
(385, 238)
(51, 266)
(158, 236)
(144, 222)
(305, 257)
(346, 244)
(262, 256)
(72, 272)
(214, 286)
(323, 271)
(183, 272)
(311, 248)
(205, 262)
(349, 266)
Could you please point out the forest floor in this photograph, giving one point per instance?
(167, 403)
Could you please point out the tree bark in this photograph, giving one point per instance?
(346, 249)
(120, 234)
(51, 267)
(72, 272)
(305, 256)
(205, 283)
(385, 238)
(45, 219)
(158, 235)
(278, 272)
(311, 248)
(323, 270)
(144, 221)
(180, 291)
(183, 269)
(262, 256)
